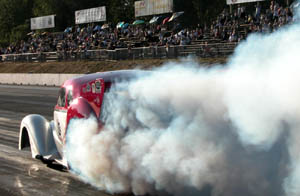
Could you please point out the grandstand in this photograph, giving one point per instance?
(159, 39)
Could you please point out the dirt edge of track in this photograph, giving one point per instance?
(83, 67)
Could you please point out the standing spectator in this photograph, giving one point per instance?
(257, 11)
(233, 37)
(167, 50)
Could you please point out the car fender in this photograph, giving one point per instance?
(80, 108)
(36, 133)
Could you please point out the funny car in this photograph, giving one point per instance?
(77, 98)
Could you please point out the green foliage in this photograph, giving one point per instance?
(12, 15)
(63, 9)
(120, 10)
(199, 11)
(19, 32)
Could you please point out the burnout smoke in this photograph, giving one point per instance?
(181, 129)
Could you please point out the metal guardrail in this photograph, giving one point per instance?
(200, 50)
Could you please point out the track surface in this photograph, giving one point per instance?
(19, 173)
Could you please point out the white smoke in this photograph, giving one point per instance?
(185, 130)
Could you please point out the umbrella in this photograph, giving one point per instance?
(124, 26)
(175, 15)
(120, 24)
(165, 20)
(97, 28)
(68, 29)
(154, 19)
(31, 33)
(105, 26)
(137, 22)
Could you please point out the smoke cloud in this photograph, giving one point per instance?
(188, 130)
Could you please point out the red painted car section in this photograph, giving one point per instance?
(87, 94)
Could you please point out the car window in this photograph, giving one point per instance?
(61, 97)
(69, 97)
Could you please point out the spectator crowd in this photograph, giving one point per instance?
(228, 27)
(235, 27)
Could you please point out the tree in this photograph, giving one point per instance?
(199, 11)
(49, 7)
(120, 10)
(13, 14)
(64, 10)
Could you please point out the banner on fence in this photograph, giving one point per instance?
(240, 1)
(42, 22)
(152, 7)
(97, 14)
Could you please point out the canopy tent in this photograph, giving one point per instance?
(175, 15)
